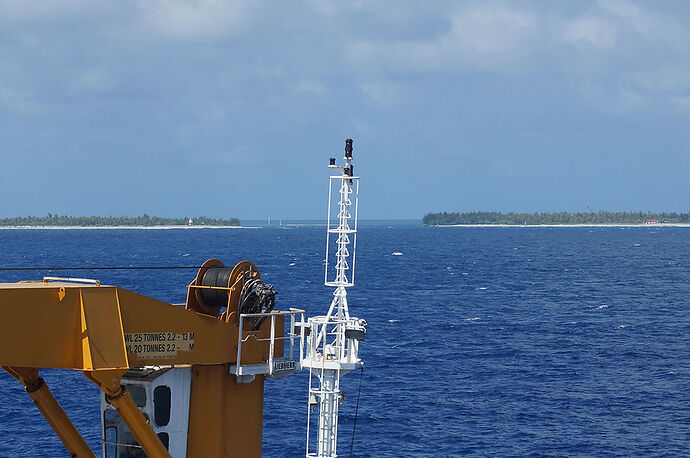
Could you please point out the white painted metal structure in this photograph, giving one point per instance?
(162, 395)
(332, 342)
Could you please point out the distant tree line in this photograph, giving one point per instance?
(144, 220)
(602, 217)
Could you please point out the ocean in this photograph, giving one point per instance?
(481, 341)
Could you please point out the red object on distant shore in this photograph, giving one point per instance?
(651, 221)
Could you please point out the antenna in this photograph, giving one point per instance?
(332, 340)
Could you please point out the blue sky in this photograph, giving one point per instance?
(233, 108)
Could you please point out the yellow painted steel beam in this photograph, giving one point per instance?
(105, 330)
(46, 403)
(225, 417)
(88, 327)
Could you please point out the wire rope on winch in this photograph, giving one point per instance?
(256, 297)
(218, 277)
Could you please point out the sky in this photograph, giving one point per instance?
(232, 108)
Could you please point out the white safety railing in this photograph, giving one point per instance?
(273, 366)
(333, 343)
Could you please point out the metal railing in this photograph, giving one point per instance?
(274, 366)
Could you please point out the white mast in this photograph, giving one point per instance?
(332, 340)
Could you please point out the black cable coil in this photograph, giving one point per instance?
(216, 277)
(256, 297)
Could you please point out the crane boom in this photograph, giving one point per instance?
(106, 332)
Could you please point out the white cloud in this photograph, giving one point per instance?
(308, 87)
(491, 30)
(12, 11)
(482, 37)
(682, 102)
(629, 99)
(633, 15)
(591, 30)
(95, 80)
(384, 92)
(18, 101)
(195, 20)
(219, 82)
(645, 25)
(622, 57)
(672, 80)
(95, 48)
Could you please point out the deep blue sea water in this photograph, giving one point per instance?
(481, 341)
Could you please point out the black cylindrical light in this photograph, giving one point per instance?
(348, 148)
(332, 161)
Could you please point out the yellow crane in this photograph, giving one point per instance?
(214, 351)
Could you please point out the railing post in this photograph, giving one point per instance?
(301, 341)
(292, 335)
(239, 348)
(271, 345)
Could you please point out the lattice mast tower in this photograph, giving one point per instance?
(333, 339)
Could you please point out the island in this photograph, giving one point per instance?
(554, 218)
(113, 221)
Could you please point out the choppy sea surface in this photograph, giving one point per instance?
(481, 341)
